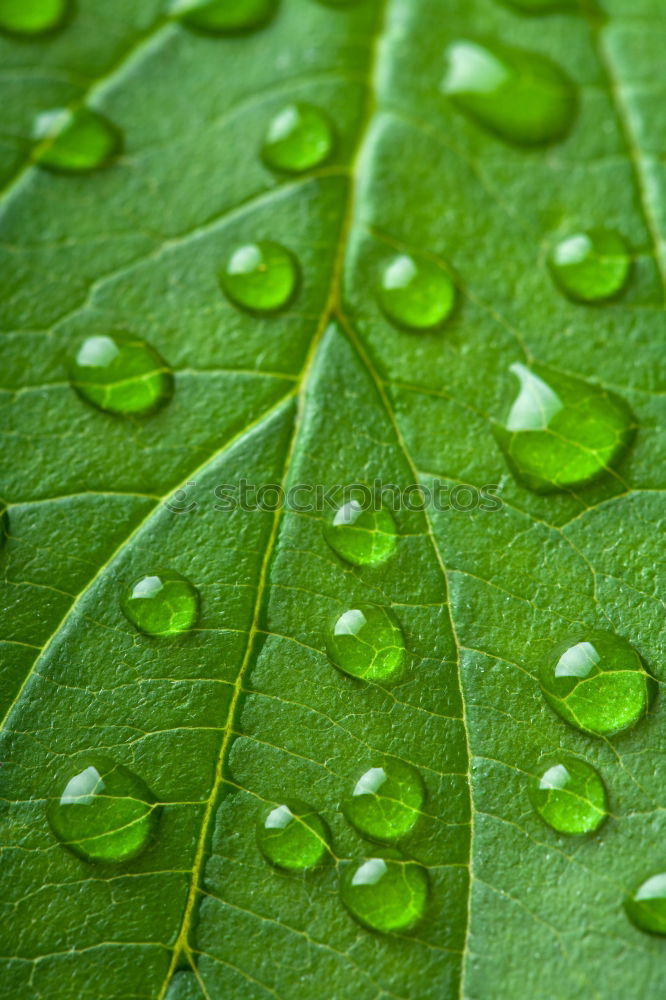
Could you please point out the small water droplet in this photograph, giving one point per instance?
(75, 141)
(32, 17)
(293, 836)
(162, 604)
(522, 97)
(386, 802)
(225, 17)
(121, 374)
(367, 642)
(386, 895)
(540, 6)
(569, 795)
(597, 682)
(360, 534)
(104, 812)
(562, 432)
(416, 294)
(298, 138)
(261, 277)
(646, 906)
(592, 266)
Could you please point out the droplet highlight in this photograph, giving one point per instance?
(646, 906)
(367, 642)
(121, 374)
(162, 604)
(562, 432)
(225, 17)
(32, 17)
(597, 682)
(75, 141)
(293, 836)
(261, 277)
(417, 295)
(386, 895)
(386, 802)
(520, 96)
(362, 535)
(299, 138)
(591, 267)
(569, 795)
(104, 812)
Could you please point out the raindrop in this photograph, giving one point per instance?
(299, 137)
(360, 534)
(32, 17)
(162, 604)
(646, 906)
(367, 642)
(121, 374)
(225, 17)
(592, 266)
(261, 277)
(386, 802)
(293, 836)
(416, 294)
(569, 795)
(75, 141)
(386, 895)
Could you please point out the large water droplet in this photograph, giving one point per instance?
(32, 17)
(562, 432)
(385, 894)
(597, 682)
(569, 795)
(293, 836)
(261, 277)
(386, 802)
(299, 138)
(416, 294)
(75, 141)
(646, 906)
(521, 96)
(540, 6)
(361, 534)
(104, 812)
(225, 17)
(367, 642)
(121, 374)
(163, 604)
(592, 266)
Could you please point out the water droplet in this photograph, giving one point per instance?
(367, 642)
(562, 432)
(32, 17)
(386, 895)
(522, 97)
(417, 295)
(569, 795)
(293, 836)
(386, 802)
(597, 682)
(592, 266)
(540, 6)
(104, 813)
(360, 534)
(75, 141)
(121, 374)
(225, 17)
(162, 604)
(261, 277)
(646, 906)
(299, 138)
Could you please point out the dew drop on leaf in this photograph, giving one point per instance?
(416, 294)
(299, 137)
(646, 906)
(75, 141)
(260, 277)
(597, 682)
(104, 812)
(521, 96)
(161, 604)
(562, 432)
(121, 374)
(384, 894)
(293, 836)
(361, 535)
(225, 17)
(367, 642)
(591, 267)
(32, 17)
(569, 795)
(386, 801)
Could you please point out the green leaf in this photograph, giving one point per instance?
(246, 711)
